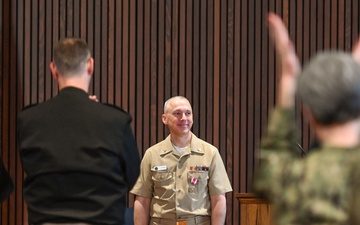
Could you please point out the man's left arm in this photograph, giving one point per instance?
(131, 156)
(218, 209)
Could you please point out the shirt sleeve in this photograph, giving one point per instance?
(278, 152)
(144, 184)
(218, 179)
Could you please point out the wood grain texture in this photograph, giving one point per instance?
(254, 210)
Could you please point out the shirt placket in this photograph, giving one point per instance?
(180, 182)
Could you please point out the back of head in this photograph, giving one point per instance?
(70, 56)
(330, 86)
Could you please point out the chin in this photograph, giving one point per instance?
(184, 131)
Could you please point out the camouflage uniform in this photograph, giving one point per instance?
(317, 189)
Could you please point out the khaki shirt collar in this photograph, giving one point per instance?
(195, 146)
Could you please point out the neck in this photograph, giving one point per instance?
(339, 135)
(181, 141)
(76, 81)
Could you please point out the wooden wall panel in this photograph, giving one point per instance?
(215, 52)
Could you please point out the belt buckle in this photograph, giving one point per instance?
(181, 223)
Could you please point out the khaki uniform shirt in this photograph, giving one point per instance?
(180, 186)
(322, 188)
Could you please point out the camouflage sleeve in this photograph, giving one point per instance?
(277, 152)
(281, 133)
(354, 185)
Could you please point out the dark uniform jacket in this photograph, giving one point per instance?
(6, 184)
(80, 159)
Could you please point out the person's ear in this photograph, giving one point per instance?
(164, 119)
(90, 66)
(54, 71)
(356, 51)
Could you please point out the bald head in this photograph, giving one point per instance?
(170, 100)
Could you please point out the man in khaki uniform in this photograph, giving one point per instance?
(183, 180)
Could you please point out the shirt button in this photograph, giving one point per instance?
(179, 176)
(179, 190)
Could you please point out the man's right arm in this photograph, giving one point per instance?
(141, 210)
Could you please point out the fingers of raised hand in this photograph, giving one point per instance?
(94, 98)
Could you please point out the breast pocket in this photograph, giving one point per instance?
(197, 182)
(163, 184)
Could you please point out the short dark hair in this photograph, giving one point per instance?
(330, 86)
(70, 55)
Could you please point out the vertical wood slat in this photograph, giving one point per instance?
(139, 75)
(132, 63)
(235, 178)
(243, 97)
(354, 19)
(250, 106)
(111, 54)
(181, 47)
(125, 54)
(195, 74)
(13, 106)
(132, 72)
(4, 56)
(221, 91)
(216, 73)
(210, 71)
(215, 52)
(48, 49)
(257, 86)
(147, 72)
(104, 61)
(118, 49)
(228, 152)
(164, 58)
(98, 48)
(173, 57)
(153, 69)
(202, 92)
(265, 71)
(189, 48)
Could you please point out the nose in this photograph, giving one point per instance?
(183, 116)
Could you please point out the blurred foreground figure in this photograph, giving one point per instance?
(322, 188)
